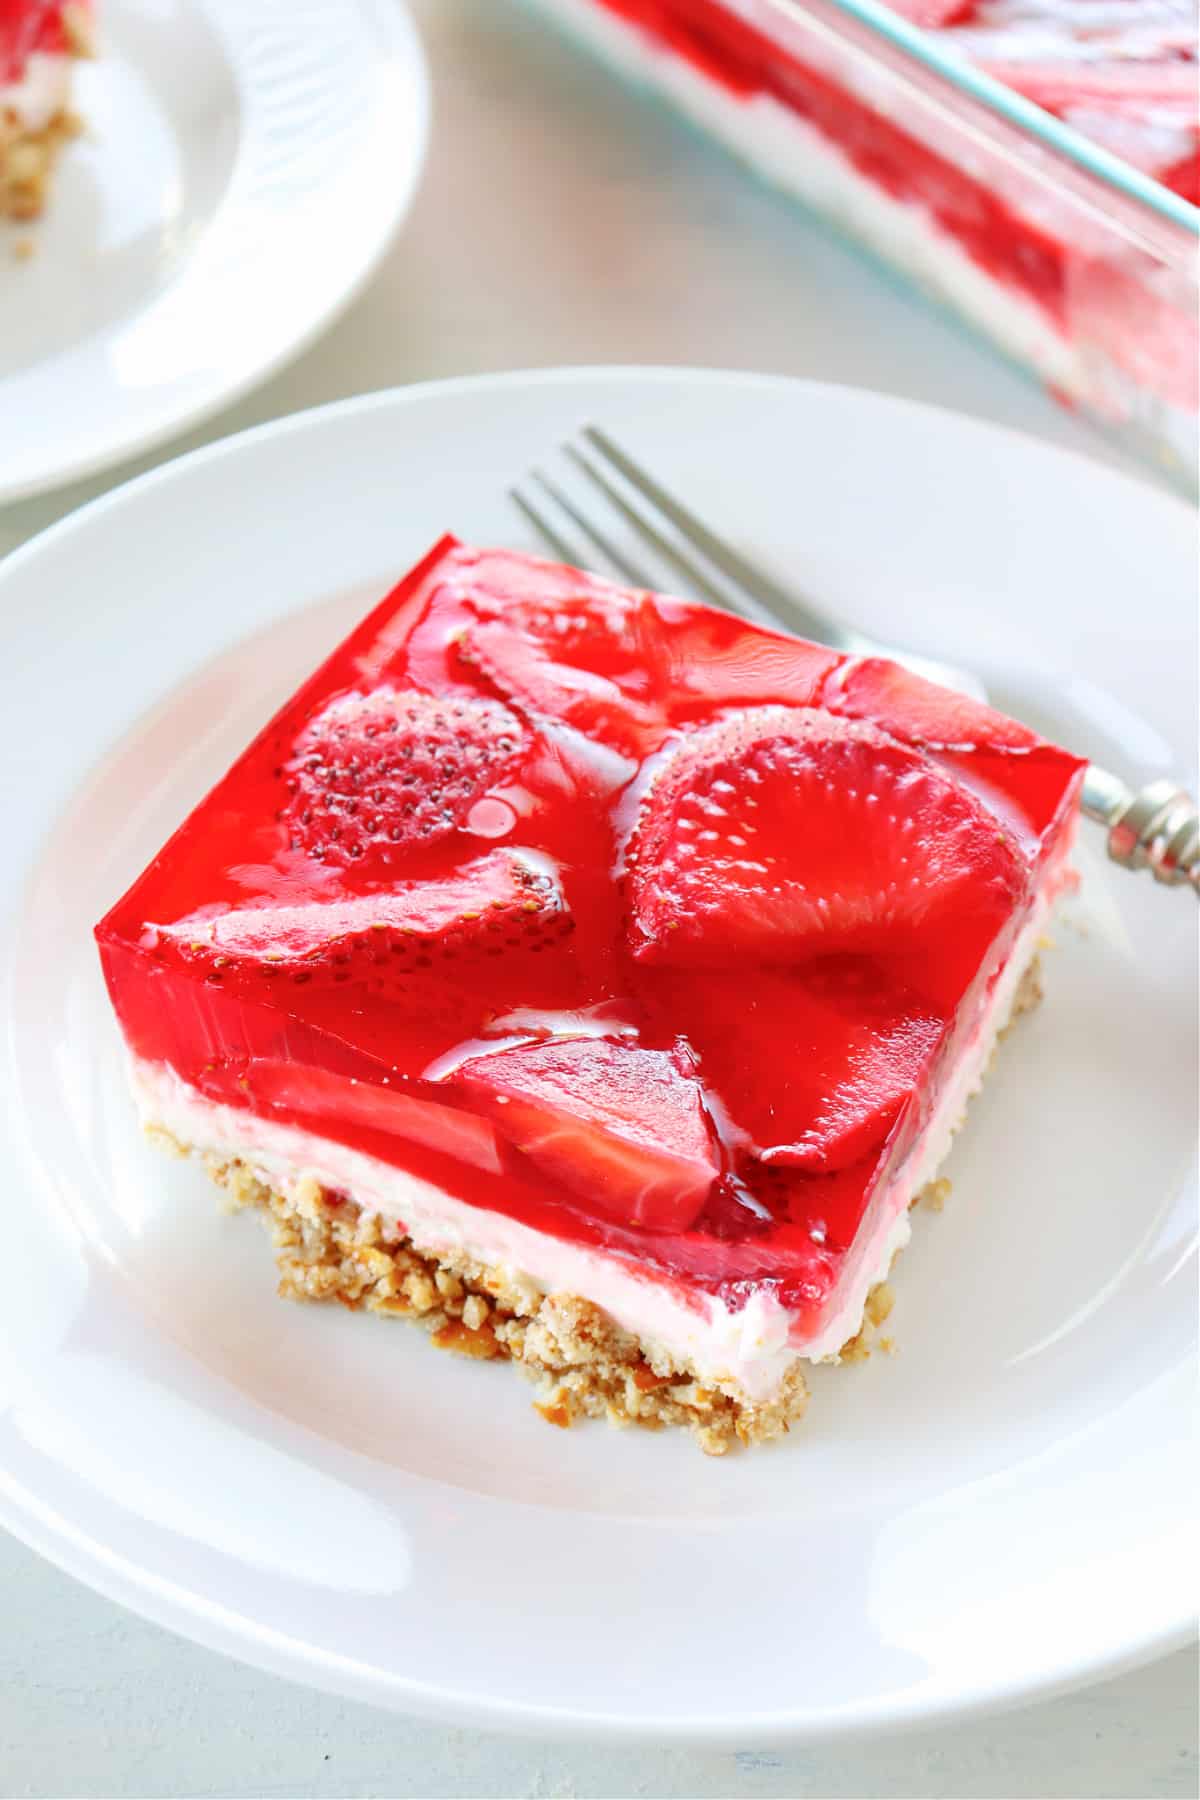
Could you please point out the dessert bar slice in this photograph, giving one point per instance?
(594, 977)
(40, 41)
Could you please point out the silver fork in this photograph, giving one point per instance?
(1155, 827)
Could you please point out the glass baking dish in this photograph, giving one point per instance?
(1065, 256)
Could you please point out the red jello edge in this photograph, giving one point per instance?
(27, 26)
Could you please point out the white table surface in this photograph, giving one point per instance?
(562, 220)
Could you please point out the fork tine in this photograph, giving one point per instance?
(567, 553)
(688, 567)
(620, 560)
(769, 603)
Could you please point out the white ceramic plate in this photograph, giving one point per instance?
(1002, 1509)
(245, 167)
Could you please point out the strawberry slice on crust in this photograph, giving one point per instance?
(782, 833)
(374, 776)
(494, 906)
(624, 1128)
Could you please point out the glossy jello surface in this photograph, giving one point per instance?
(602, 910)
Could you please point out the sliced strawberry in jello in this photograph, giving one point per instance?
(1016, 773)
(573, 649)
(499, 903)
(377, 775)
(782, 833)
(594, 703)
(812, 1066)
(321, 1096)
(917, 711)
(620, 1127)
(624, 666)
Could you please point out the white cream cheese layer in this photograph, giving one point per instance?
(750, 1348)
(43, 91)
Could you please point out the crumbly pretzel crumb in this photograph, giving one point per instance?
(582, 1363)
(27, 160)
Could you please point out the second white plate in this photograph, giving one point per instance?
(1004, 1508)
(244, 167)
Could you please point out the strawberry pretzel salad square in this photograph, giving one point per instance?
(595, 979)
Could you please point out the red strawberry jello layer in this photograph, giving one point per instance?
(595, 976)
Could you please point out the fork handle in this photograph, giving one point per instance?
(1156, 827)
